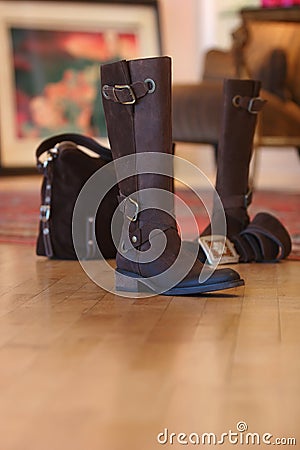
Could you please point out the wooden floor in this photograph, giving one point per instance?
(82, 369)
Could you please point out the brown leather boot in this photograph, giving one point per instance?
(265, 238)
(241, 107)
(137, 106)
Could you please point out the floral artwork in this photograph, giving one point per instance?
(279, 3)
(56, 76)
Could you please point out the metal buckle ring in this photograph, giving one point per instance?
(44, 213)
(252, 102)
(151, 84)
(136, 212)
(248, 199)
(218, 250)
(236, 101)
(125, 86)
(105, 94)
(52, 153)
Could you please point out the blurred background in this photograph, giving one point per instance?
(49, 82)
(189, 30)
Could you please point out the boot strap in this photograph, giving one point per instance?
(265, 239)
(139, 233)
(251, 104)
(127, 94)
(140, 236)
(132, 205)
(237, 201)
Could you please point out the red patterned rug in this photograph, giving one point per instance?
(19, 212)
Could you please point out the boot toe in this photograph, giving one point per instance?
(223, 275)
(216, 277)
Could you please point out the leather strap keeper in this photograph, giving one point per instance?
(126, 94)
(251, 104)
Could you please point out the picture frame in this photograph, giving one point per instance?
(51, 54)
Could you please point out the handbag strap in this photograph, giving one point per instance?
(78, 139)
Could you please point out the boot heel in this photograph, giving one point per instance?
(127, 283)
(130, 283)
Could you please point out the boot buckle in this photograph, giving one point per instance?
(248, 199)
(134, 215)
(255, 105)
(132, 96)
(218, 250)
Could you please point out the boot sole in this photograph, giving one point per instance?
(132, 282)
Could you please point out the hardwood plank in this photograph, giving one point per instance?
(82, 368)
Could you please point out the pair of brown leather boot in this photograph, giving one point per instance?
(137, 105)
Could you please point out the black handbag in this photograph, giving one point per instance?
(66, 168)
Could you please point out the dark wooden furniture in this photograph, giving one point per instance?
(265, 47)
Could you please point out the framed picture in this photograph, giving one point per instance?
(50, 66)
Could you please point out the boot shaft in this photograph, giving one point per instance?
(137, 106)
(241, 104)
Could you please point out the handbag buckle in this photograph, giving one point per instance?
(218, 250)
(52, 153)
(44, 213)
